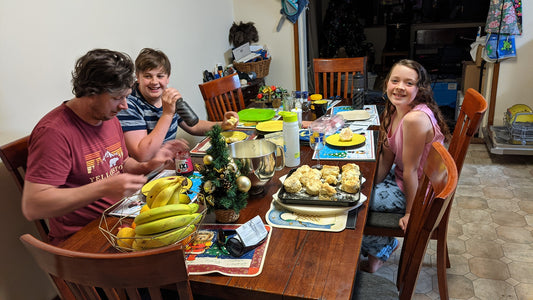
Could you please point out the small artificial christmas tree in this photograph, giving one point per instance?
(222, 185)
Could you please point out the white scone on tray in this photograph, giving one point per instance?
(326, 192)
(313, 187)
(292, 184)
(330, 170)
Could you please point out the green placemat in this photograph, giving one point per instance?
(256, 114)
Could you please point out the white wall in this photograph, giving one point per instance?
(40, 42)
(266, 14)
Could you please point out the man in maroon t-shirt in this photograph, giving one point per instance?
(78, 164)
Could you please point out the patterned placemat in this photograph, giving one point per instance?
(204, 255)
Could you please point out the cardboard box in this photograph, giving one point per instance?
(471, 76)
(478, 55)
(445, 92)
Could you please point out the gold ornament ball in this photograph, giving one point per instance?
(208, 159)
(244, 184)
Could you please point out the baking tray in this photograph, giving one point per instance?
(341, 198)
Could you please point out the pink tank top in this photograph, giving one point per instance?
(396, 144)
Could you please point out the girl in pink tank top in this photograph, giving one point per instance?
(411, 122)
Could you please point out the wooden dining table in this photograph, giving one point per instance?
(299, 264)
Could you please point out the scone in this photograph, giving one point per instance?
(346, 135)
(232, 121)
(350, 185)
(326, 192)
(331, 179)
(330, 170)
(292, 184)
(313, 187)
(349, 166)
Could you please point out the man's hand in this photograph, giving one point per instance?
(403, 222)
(123, 185)
(231, 120)
(168, 151)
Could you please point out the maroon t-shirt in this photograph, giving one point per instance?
(67, 152)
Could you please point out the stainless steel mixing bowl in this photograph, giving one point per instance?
(260, 160)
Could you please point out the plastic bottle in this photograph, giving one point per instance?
(298, 110)
(184, 164)
(358, 92)
(186, 113)
(291, 139)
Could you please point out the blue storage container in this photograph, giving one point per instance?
(445, 93)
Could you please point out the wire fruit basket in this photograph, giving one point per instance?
(110, 225)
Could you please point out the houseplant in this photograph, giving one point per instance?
(223, 188)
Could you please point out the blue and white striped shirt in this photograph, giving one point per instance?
(142, 115)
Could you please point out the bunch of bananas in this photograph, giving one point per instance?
(167, 190)
(169, 216)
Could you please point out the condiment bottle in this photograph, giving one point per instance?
(291, 139)
(184, 164)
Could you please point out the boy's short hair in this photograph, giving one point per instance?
(149, 59)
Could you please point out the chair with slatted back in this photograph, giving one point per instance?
(14, 155)
(433, 197)
(333, 74)
(159, 271)
(386, 224)
(222, 95)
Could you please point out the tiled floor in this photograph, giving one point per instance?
(490, 235)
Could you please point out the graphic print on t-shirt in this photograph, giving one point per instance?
(110, 157)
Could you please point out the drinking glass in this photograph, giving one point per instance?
(316, 141)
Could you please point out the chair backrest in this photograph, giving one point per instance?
(331, 72)
(472, 110)
(14, 155)
(435, 191)
(115, 274)
(222, 95)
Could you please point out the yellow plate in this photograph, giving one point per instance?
(334, 140)
(234, 136)
(146, 188)
(270, 126)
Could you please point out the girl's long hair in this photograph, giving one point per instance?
(424, 95)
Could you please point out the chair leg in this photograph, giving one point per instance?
(448, 265)
(442, 262)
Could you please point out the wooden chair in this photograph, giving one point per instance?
(89, 275)
(222, 95)
(386, 224)
(432, 199)
(329, 73)
(15, 155)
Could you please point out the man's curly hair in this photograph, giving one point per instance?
(102, 71)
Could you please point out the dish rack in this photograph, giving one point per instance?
(520, 133)
(110, 225)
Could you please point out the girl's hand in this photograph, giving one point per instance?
(403, 222)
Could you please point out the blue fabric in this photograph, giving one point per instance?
(386, 197)
(142, 115)
(293, 18)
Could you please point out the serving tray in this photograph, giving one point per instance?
(341, 198)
